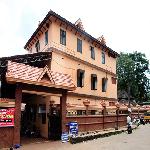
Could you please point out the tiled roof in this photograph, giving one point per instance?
(25, 73)
(52, 13)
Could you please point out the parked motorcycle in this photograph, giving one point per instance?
(129, 128)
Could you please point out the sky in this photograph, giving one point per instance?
(125, 24)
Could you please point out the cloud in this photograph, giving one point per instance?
(125, 24)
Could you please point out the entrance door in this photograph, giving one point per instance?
(54, 123)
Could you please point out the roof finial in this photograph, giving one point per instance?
(39, 23)
(79, 24)
(102, 40)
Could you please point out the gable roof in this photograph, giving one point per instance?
(52, 13)
(18, 72)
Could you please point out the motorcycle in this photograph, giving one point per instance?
(129, 128)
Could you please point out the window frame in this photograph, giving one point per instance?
(46, 37)
(103, 57)
(92, 52)
(104, 84)
(37, 46)
(79, 45)
(63, 37)
(80, 82)
(94, 82)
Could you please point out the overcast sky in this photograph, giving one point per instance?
(125, 24)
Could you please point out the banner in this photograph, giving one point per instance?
(7, 117)
(73, 128)
(64, 137)
(6, 102)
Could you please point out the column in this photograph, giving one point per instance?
(18, 98)
(63, 100)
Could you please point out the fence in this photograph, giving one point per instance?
(93, 123)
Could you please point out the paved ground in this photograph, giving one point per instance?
(139, 140)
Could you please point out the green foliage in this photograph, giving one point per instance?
(131, 71)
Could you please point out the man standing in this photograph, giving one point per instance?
(129, 124)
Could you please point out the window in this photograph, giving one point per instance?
(104, 84)
(93, 82)
(37, 46)
(46, 37)
(113, 79)
(80, 78)
(111, 103)
(92, 52)
(93, 112)
(103, 58)
(42, 111)
(81, 112)
(62, 37)
(79, 45)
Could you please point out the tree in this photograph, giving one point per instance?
(131, 71)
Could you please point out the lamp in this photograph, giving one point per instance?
(117, 113)
(86, 103)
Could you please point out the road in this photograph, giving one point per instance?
(138, 140)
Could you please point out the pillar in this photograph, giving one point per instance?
(18, 98)
(63, 100)
(104, 113)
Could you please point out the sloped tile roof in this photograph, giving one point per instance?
(19, 71)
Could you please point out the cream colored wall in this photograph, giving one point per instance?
(64, 64)
(41, 39)
(43, 127)
(68, 66)
(71, 45)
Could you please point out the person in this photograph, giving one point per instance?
(129, 124)
(142, 120)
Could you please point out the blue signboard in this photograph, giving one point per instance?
(73, 128)
(64, 137)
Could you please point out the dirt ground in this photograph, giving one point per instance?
(138, 140)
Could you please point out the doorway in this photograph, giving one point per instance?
(54, 122)
(40, 119)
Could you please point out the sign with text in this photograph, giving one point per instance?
(64, 137)
(6, 102)
(73, 128)
(7, 117)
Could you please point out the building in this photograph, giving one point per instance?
(89, 61)
(68, 75)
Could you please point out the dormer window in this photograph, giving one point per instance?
(37, 46)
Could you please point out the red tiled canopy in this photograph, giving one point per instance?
(18, 72)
